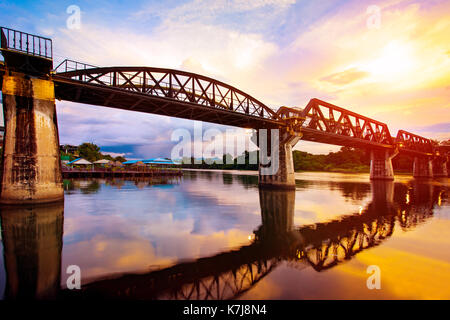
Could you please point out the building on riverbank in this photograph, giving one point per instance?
(80, 162)
(154, 162)
(81, 168)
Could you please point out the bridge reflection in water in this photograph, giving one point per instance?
(32, 240)
(32, 247)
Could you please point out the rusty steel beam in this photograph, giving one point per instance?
(327, 123)
(414, 144)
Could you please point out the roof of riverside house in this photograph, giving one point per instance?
(151, 161)
(102, 161)
(79, 161)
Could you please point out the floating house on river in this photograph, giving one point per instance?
(154, 162)
(79, 161)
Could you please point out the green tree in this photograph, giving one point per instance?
(107, 157)
(89, 151)
(120, 159)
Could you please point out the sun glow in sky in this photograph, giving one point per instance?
(281, 52)
(395, 60)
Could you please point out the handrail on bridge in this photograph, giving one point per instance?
(18, 41)
(72, 65)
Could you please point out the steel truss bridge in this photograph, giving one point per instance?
(188, 95)
(192, 96)
(322, 246)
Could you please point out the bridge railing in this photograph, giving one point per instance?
(23, 42)
(71, 65)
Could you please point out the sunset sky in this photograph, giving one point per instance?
(389, 60)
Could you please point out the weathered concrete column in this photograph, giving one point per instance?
(31, 162)
(32, 239)
(423, 167)
(381, 164)
(440, 167)
(284, 176)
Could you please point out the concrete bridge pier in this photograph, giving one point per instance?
(31, 164)
(423, 167)
(440, 167)
(279, 172)
(381, 164)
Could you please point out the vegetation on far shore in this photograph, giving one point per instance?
(346, 160)
(91, 152)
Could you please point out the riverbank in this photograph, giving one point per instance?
(68, 173)
(336, 170)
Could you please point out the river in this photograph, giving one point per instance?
(216, 235)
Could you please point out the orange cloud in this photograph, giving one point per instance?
(346, 76)
(398, 74)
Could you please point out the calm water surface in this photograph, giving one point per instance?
(215, 235)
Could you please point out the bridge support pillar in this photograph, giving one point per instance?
(283, 176)
(31, 164)
(440, 167)
(381, 165)
(423, 167)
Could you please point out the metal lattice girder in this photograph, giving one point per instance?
(293, 118)
(410, 142)
(191, 96)
(163, 91)
(328, 123)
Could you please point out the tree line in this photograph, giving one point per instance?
(91, 152)
(347, 159)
